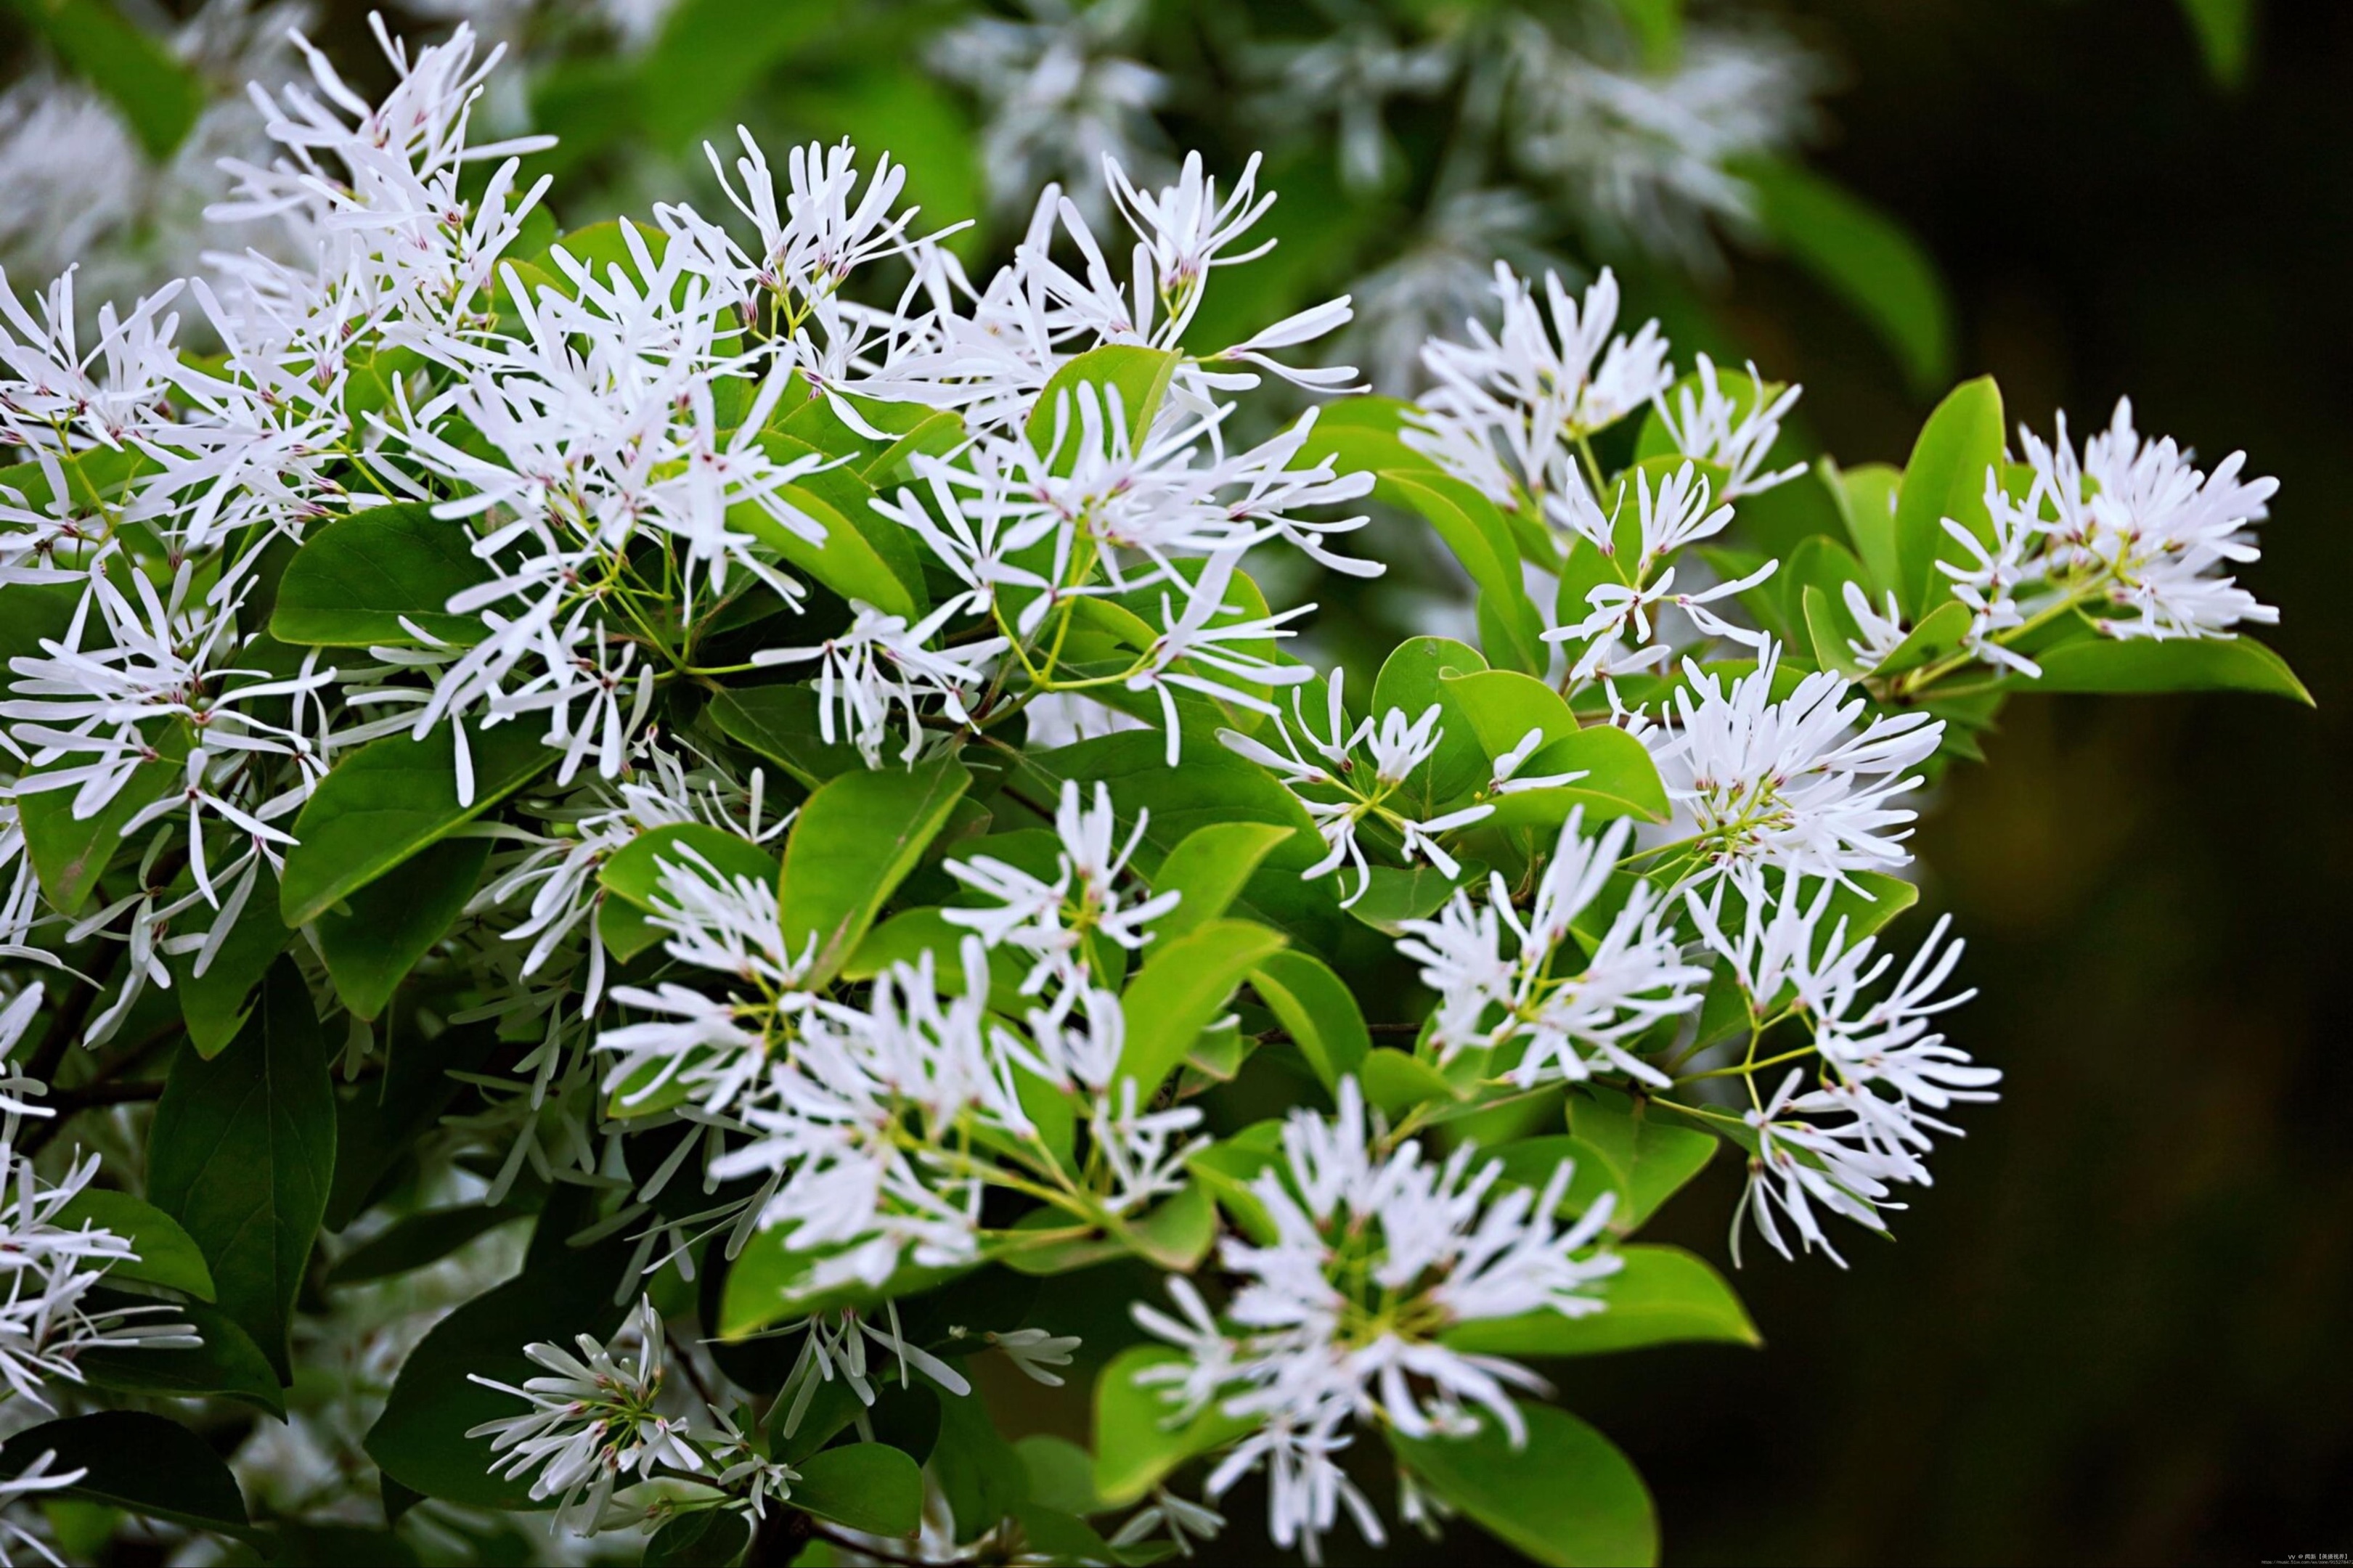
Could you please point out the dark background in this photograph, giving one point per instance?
(2114, 1331)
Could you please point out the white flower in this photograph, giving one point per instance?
(1532, 389)
(1051, 921)
(1801, 784)
(1036, 1351)
(2159, 531)
(1337, 1321)
(1569, 1014)
(47, 1269)
(1800, 1164)
(1735, 436)
(594, 1419)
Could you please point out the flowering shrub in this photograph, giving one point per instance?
(738, 746)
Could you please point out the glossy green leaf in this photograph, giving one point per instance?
(1946, 478)
(377, 935)
(168, 1255)
(225, 1363)
(981, 1475)
(241, 1152)
(1938, 636)
(1567, 1497)
(139, 1463)
(1139, 374)
(1210, 868)
(1062, 1474)
(1175, 1236)
(1394, 896)
(214, 1004)
(379, 1121)
(1318, 1009)
(1397, 1081)
(783, 724)
(1419, 674)
(1653, 1154)
(1471, 527)
(843, 559)
(391, 798)
(634, 871)
(1135, 1447)
(1533, 1161)
(368, 579)
(1866, 496)
(866, 1486)
(70, 854)
(1663, 1295)
(2176, 664)
(1183, 986)
(852, 845)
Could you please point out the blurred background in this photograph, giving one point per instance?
(2114, 1331)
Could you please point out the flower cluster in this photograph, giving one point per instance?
(774, 751)
(1338, 1318)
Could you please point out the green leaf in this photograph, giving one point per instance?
(420, 1439)
(1831, 629)
(241, 1152)
(1862, 256)
(379, 1121)
(709, 1538)
(1938, 635)
(70, 855)
(378, 934)
(634, 872)
(1397, 1081)
(1210, 868)
(417, 1239)
(783, 724)
(1652, 1159)
(1134, 1446)
(1183, 986)
(1532, 1162)
(1139, 374)
(2226, 30)
(1413, 678)
(1946, 478)
(1482, 540)
(1568, 1496)
(1620, 779)
(852, 845)
(1318, 1009)
(355, 581)
(1866, 496)
(843, 560)
(1175, 1236)
(2175, 664)
(1395, 896)
(227, 1363)
(160, 95)
(214, 1004)
(1663, 1295)
(866, 1486)
(980, 1475)
(391, 798)
(139, 1463)
(1062, 1474)
(168, 1255)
